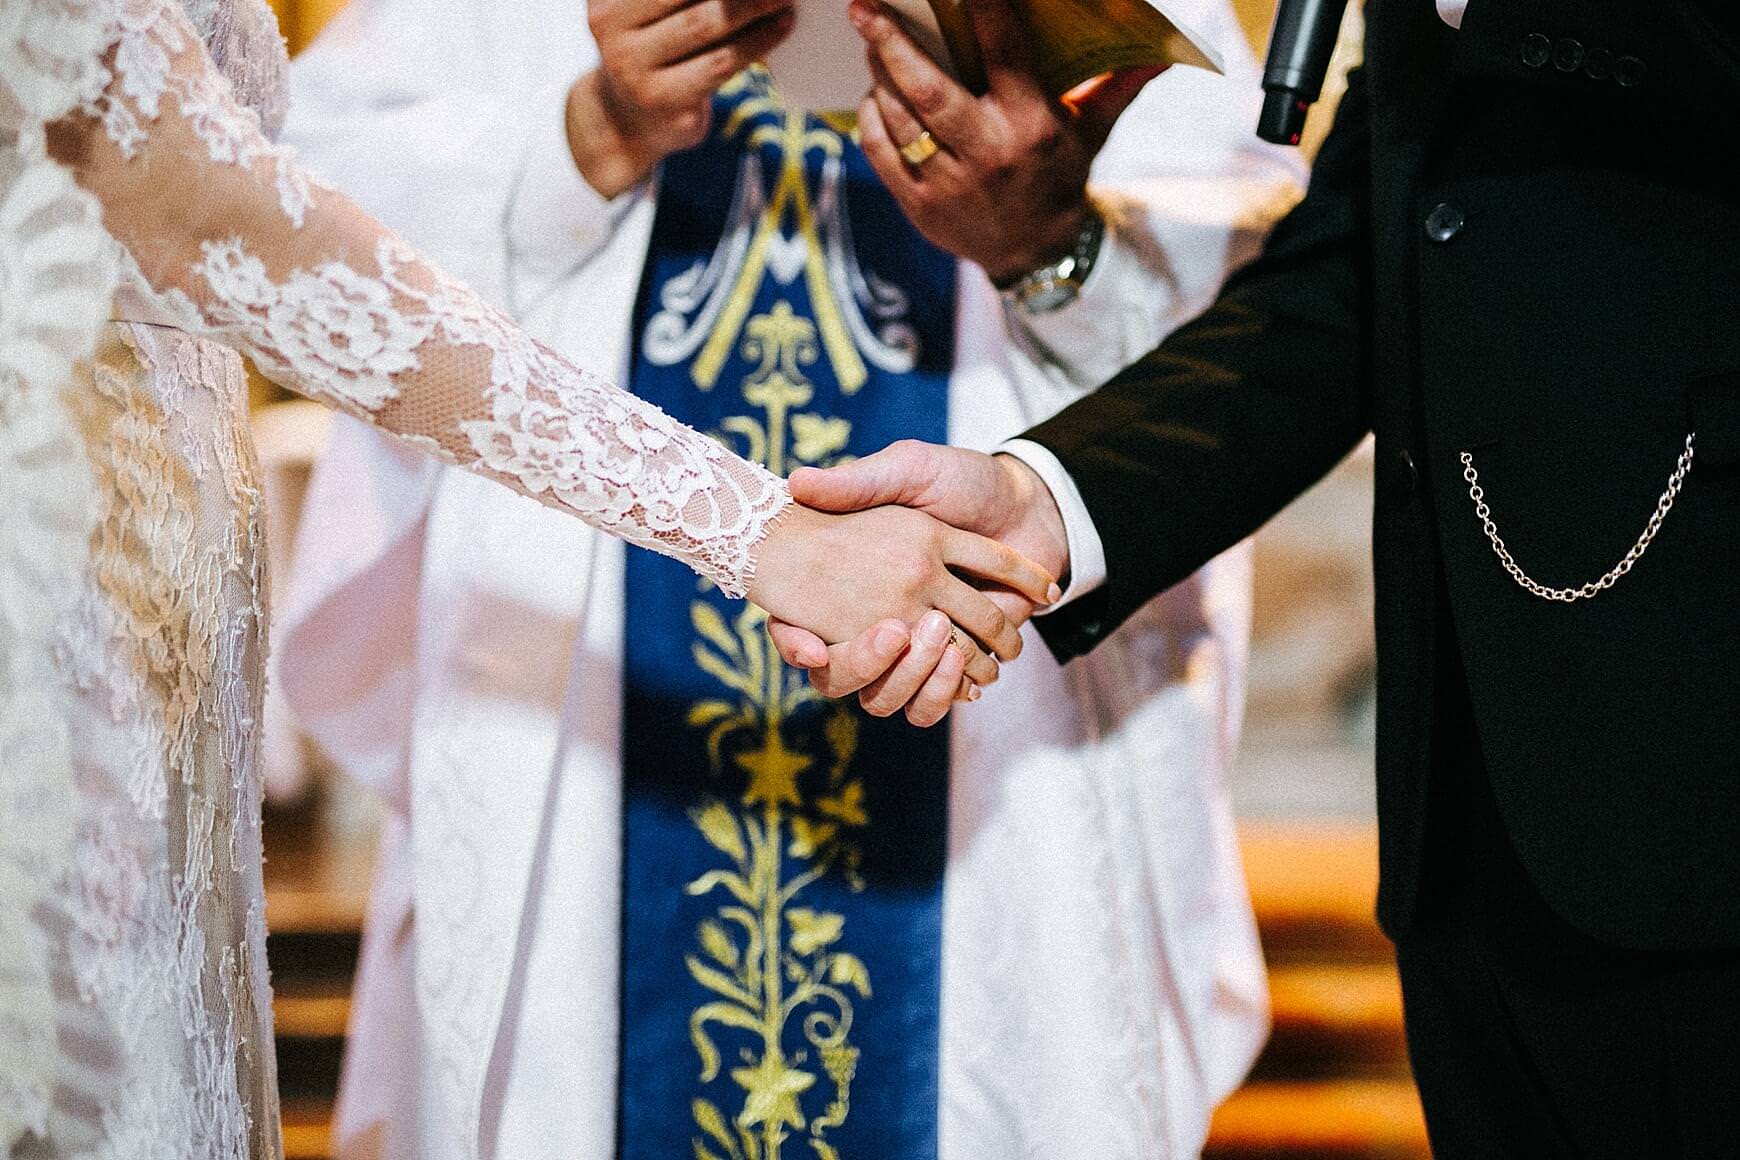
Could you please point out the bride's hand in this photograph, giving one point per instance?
(836, 575)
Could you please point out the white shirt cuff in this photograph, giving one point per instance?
(1087, 555)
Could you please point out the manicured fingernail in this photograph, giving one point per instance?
(974, 693)
(890, 639)
(1053, 594)
(933, 629)
(859, 15)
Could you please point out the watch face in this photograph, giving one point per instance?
(1051, 296)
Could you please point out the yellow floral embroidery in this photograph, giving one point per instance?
(768, 962)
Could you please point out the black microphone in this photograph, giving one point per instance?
(1299, 51)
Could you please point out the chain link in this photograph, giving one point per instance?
(1569, 595)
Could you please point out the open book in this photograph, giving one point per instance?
(821, 64)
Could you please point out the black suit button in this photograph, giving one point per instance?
(1410, 477)
(1629, 71)
(1598, 65)
(1444, 222)
(1536, 50)
(1568, 55)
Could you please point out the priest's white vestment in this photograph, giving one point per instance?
(461, 651)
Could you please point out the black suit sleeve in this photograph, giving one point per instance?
(1191, 449)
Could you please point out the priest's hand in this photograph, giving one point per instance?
(996, 496)
(1001, 179)
(660, 63)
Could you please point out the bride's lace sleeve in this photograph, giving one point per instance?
(235, 241)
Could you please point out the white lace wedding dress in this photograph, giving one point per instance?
(135, 1020)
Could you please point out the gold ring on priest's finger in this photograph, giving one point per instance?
(920, 150)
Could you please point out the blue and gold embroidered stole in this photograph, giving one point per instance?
(783, 855)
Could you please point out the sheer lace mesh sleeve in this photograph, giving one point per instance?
(236, 242)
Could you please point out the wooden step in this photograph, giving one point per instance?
(1346, 1120)
(308, 1069)
(301, 1010)
(1314, 886)
(1323, 1120)
(316, 886)
(1332, 1084)
(307, 1129)
(314, 912)
(1334, 1021)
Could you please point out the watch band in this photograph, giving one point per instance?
(1057, 285)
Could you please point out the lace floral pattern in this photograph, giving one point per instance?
(51, 58)
(330, 330)
(57, 268)
(372, 328)
(156, 912)
(49, 515)
(131, 582)
(553, 431)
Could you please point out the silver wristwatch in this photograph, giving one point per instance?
(1057, 285)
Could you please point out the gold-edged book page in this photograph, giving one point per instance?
(1077, 40)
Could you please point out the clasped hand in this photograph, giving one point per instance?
(940, 508)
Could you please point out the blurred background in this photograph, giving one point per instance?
(1333, 1083)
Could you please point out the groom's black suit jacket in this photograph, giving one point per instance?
(1503, 250)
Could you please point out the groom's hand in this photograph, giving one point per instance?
(996, 496)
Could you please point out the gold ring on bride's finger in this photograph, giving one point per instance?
(921, 149)
(959, 641)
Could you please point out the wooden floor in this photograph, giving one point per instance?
(1333, 1082)
(1331, 1085)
